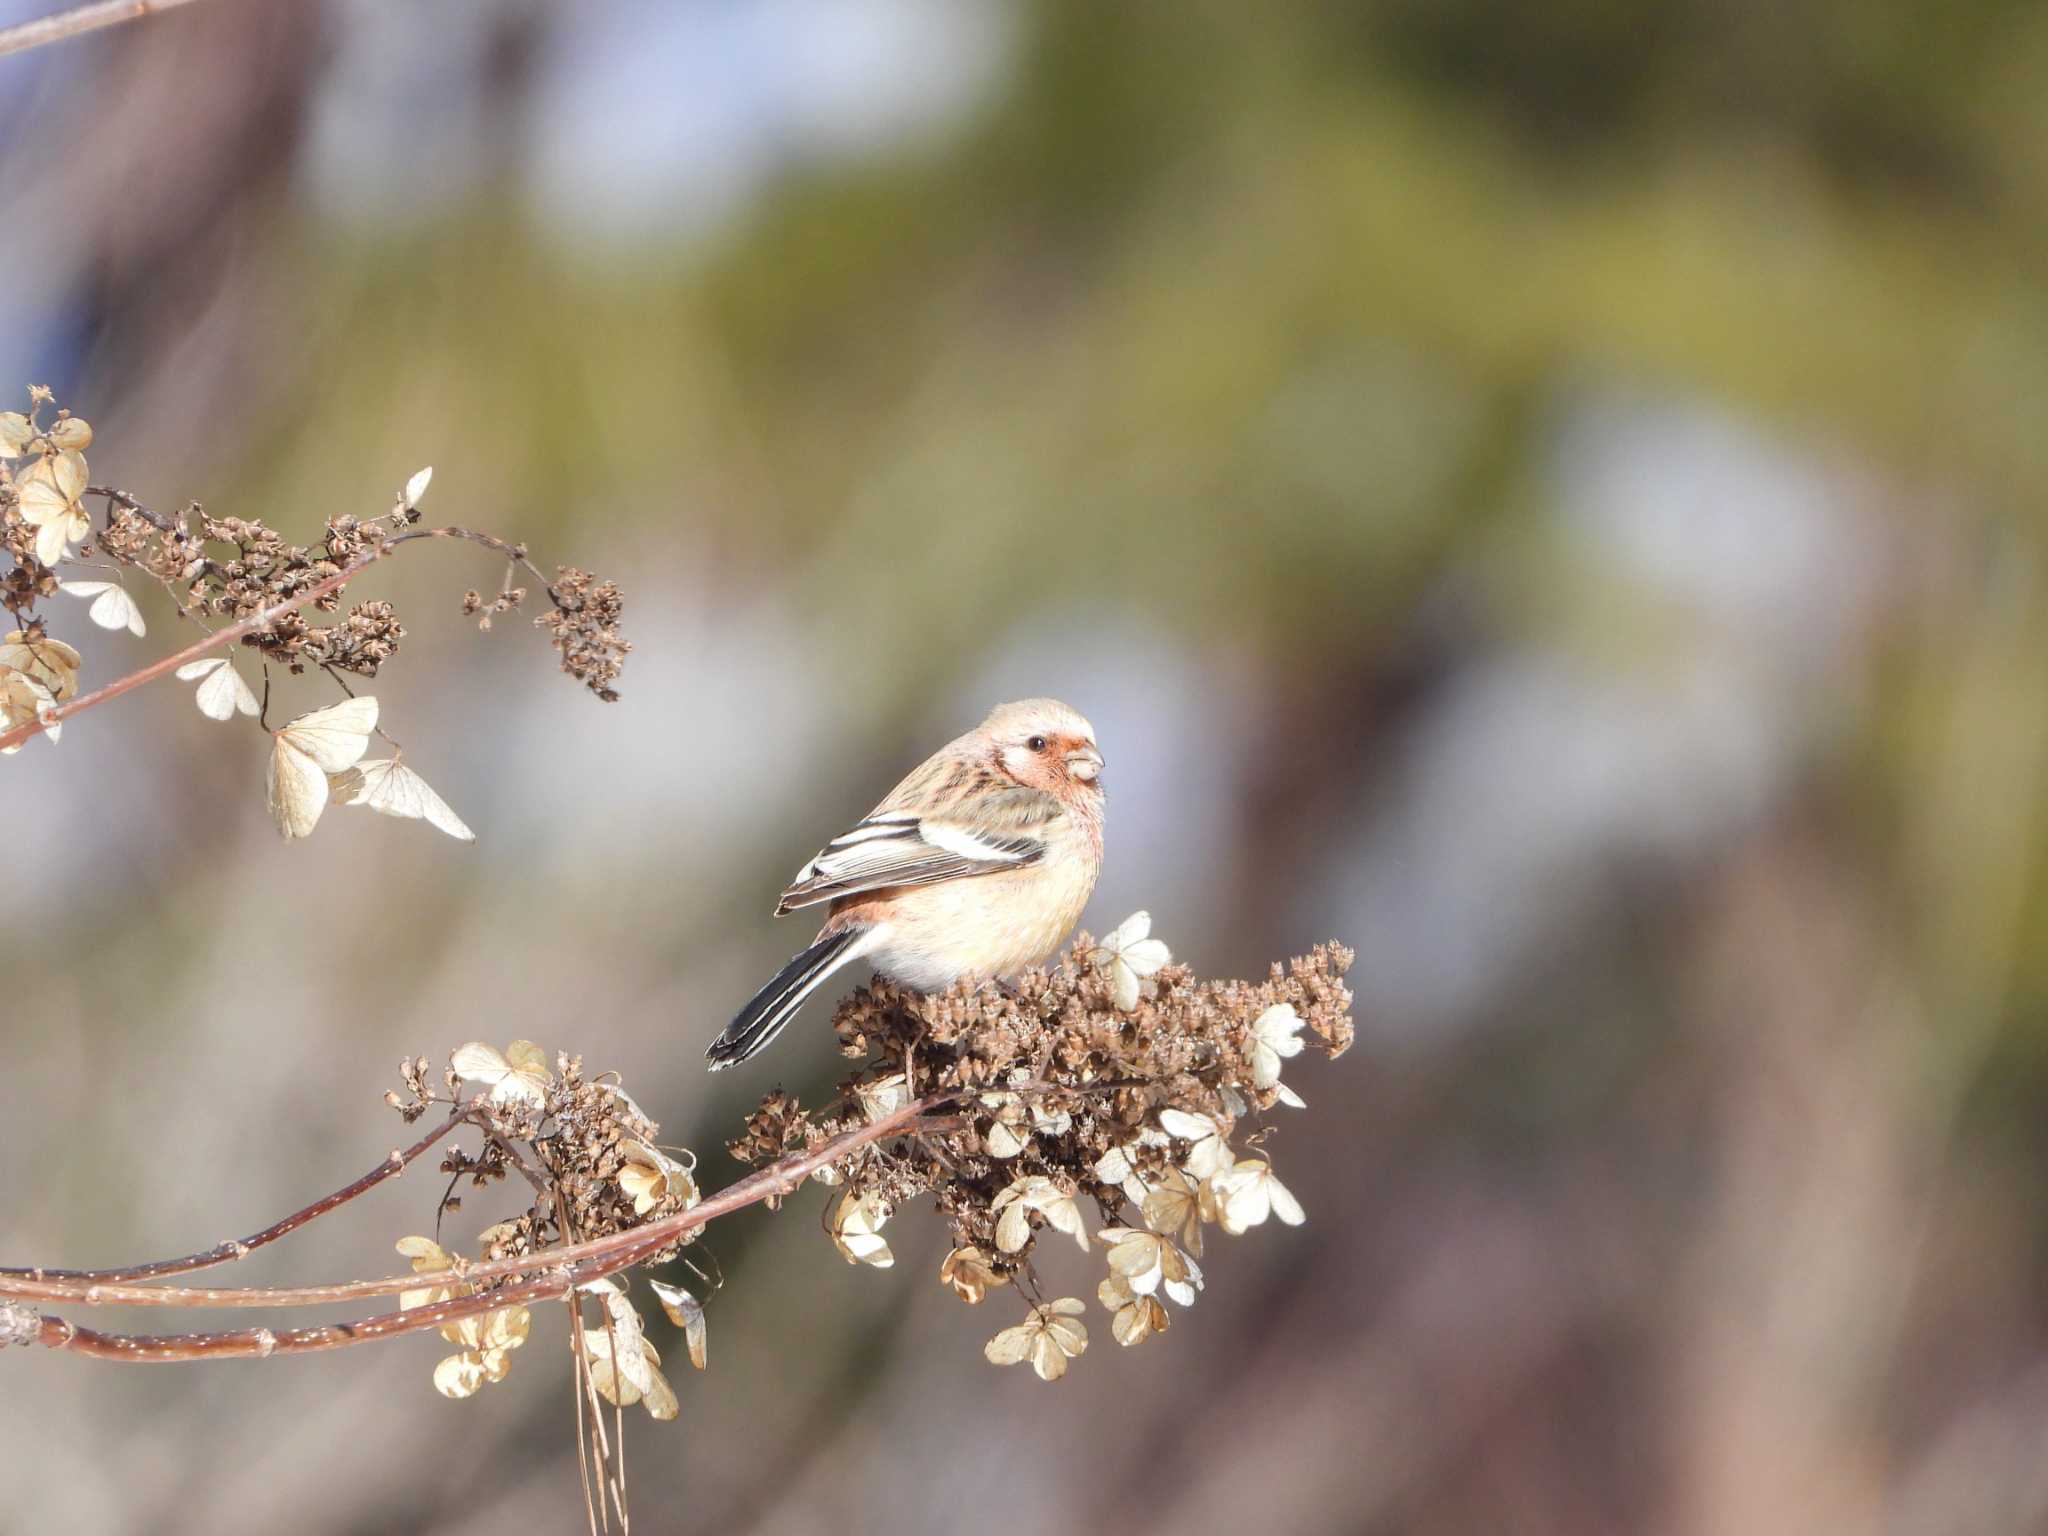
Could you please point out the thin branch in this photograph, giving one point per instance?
(238, 1248)
(50, 1285)
(544, 1276)
(133, 504)
(262, 619)
(79, 21)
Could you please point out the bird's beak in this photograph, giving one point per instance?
(1085, 764)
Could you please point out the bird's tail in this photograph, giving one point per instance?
(776, 1004)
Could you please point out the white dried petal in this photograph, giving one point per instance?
(1048, 1338)
(1009, 1346)
(1174, 1206)
(112, 607)
(626, 1369)
(1118, 1167)
(650, 1176)
(1247, 1192)
(1275, 1035)
(1129, 955)
(1035, 1192)
(221, 692)
(884, 1096)
(459, 1375)
(687, 1313)
(22, 700)
(855, 1226)
(297, 789)
(1208, 1151)
(385, 785)
(1005, 1141)
(1013, 1228)
(1136, 1318)
(50, 487)
(51, 663)
(334, 737)
(969, 1273)
(1050, 1122)
(416, 487)
(306, 751)
(520, 1071)
(1146, 1262)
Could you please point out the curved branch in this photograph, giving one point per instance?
(78, 21)
(263, 618)
(544, 1276)
(236, 1248)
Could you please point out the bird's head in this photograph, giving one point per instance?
(1042, 744)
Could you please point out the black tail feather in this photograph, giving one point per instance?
(777, 1003)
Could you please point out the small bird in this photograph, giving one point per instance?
(977, 864)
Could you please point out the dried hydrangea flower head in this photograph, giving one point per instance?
(1112, 1082)
(596, 1168)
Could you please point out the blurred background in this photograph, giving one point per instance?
(1551, 494)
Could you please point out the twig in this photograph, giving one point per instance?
(580, 1377)
(237, 1248)
(544, 1276)
(133, 504)
(504, 1144)
(79, 21)
(263, 618)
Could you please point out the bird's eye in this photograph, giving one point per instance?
(1036, 743)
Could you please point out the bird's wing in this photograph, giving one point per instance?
(1006, 829)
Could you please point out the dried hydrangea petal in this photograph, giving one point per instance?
(1247, 1192)
(970, 1274)
(1048, 1338)
(221, 693)
(1174, 1206)
(687, 1313)
(1208, 1149)
(1130, 956)
(416, 487)
(459, 1375)
(1275, 1035)
(855, 1226)
(518, 1072)
(112, 607)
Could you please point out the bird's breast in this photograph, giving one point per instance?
(987, 925)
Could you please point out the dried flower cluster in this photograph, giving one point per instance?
(1113, 1081)
(261, 590)
(584, 624)
(592, 1161)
